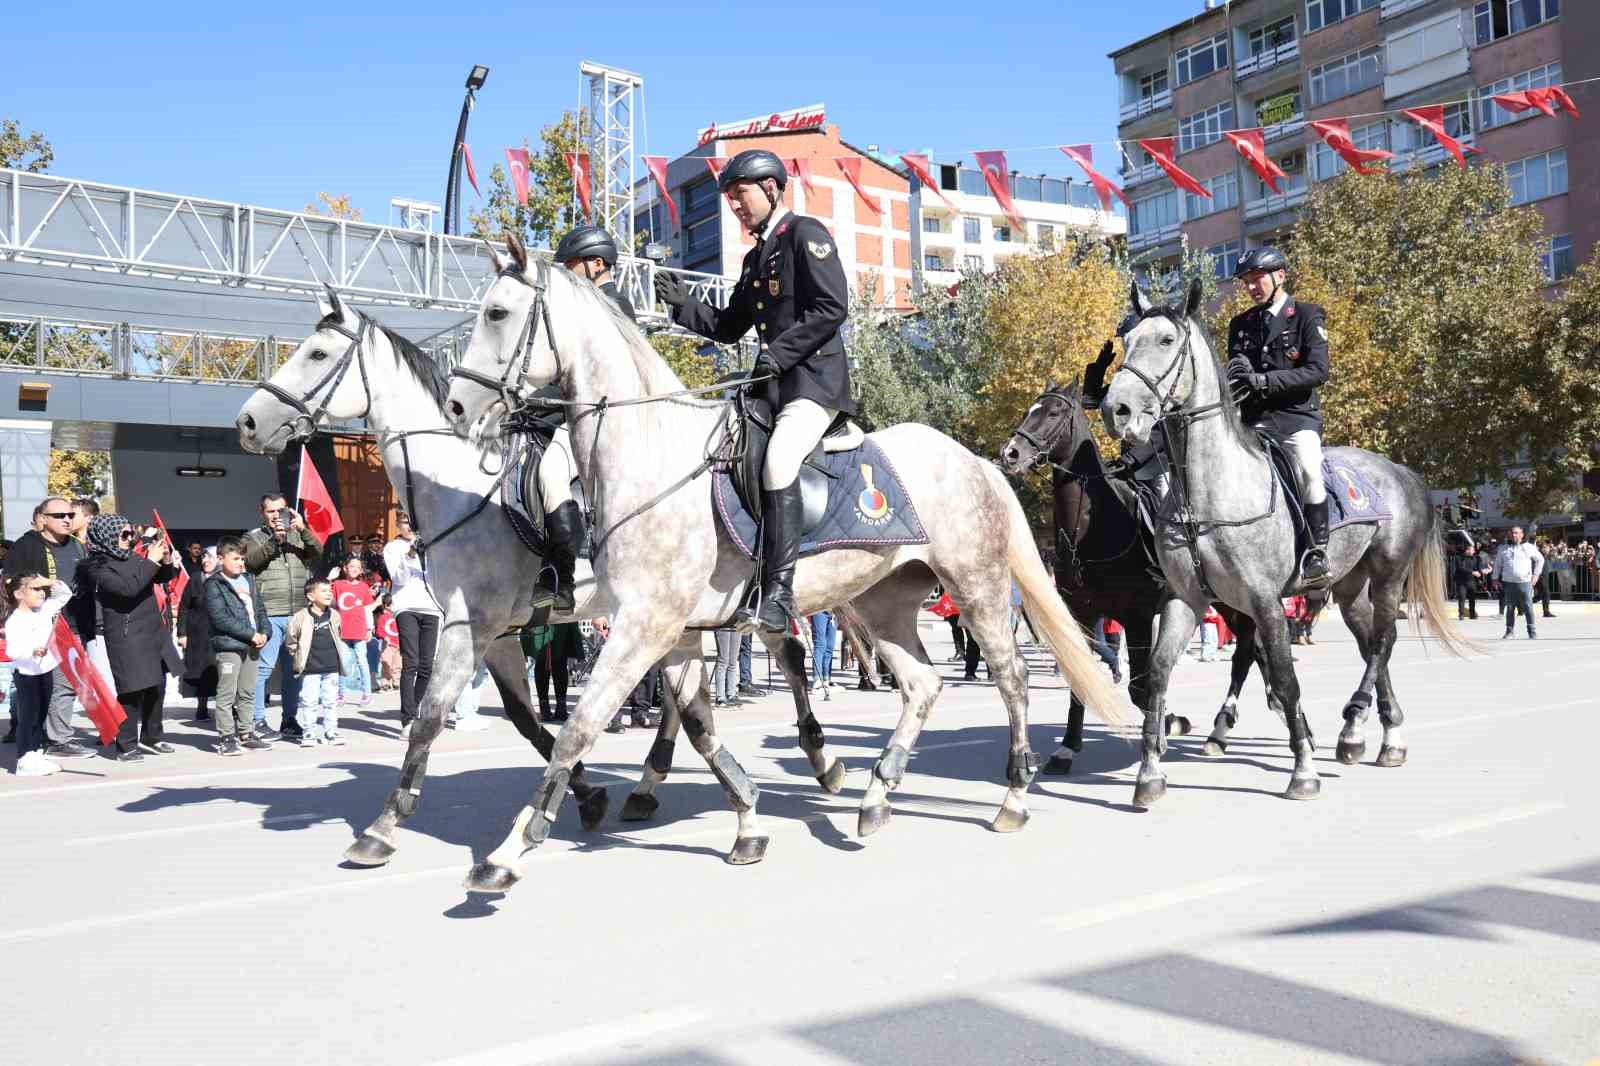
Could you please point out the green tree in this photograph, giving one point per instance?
(74, 474)
(31, 153)
(552, 206)
(683, 356)
(334, 207)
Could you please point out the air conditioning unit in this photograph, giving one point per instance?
(1293, 163)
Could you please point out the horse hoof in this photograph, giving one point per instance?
(487, 877)
(1392, 757)
(747, 850)
(1179, 725)
(639, 807)
(1009, 820)
(873, 819)
(1146, 793)
(592, 809)
(1214, 748)
(1304, 788)
(1350, 752)
(832, 779)
(1059, 765)
(368, 850)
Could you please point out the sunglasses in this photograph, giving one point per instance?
(57, 514)
(126, 534)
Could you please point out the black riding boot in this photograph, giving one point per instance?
(1314, 564)
(563, 529)
(780, 547)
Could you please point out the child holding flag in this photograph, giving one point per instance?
(32, 602)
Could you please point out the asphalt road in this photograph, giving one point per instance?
(193, 909)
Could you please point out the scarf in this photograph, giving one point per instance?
(104, 536)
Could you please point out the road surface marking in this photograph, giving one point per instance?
(1550, 886)
(1488, 821)
(613, 1034)
(1154, 901)
(1510, 712)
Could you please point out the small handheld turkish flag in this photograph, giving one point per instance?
(321, 516)
(99, 698)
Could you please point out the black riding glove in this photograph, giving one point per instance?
(764, 367)
(1094, 378)
(670, 289)
(1243, 381)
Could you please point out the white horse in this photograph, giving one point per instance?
(662, 557)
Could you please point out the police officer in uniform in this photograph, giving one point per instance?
(792, 289)
(1277, 356)
(590, 251)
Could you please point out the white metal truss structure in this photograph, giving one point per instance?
(614, 98)
(149, 353)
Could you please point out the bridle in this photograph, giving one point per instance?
(509, 385)
(305, 422)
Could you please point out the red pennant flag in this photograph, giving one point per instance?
(99, 698)
(657, 165)
(998, 176)
(518, 159)
(1252, 144)
(918, 165)
(1559, 95)
(1432, 119)
(578, 164)
(142, 549)
(1083, 155)
(1524, 101)
(1161, 149)
(850, 166)
(322, 518)
(472, 173)
(1335, 132)
(178, 584)
(801, 168)
(716, 163)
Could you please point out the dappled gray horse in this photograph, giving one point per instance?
(352, 367)
(645, 451)
(1227, 533)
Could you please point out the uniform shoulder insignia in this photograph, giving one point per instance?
(819, 249)
(783, 228)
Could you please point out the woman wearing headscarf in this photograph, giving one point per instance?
(194, 635)
(137, 643)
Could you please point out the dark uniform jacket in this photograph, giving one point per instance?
(792, 290)
(1462, 565)
(1291, 349)
(611, 290)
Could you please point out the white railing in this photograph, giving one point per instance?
(1429, 154)
(1150, 238)
(129, 350)
(1391, 8)
(1286, 128)
(1141, 174)
(1146, 105)
(1266, 59)
(1274, 203)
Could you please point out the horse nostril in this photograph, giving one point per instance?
(248, 422)
(456, 410)
(1010, 454)
(1123, 411)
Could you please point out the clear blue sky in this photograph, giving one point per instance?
(270, 103)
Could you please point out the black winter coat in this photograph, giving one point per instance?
(137, 642)
(1291, 349)
(231, 628)
(195, 625)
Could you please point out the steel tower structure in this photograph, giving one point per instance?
(614, 97)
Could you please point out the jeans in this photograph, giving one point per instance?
(275, 654)
(824, 630)
(467, 702)
(419, 640)
(723, 675)
(28, 703)
(746, 652)
(374, 654)
(360, 680)
(1208, 641)
(236, 693)
(1519, 597)
(321, 695)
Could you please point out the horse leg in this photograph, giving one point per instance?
(1177, 627)
(1071, 741)
(641, 803)
(1244, 654)
(750, 845)
(509, 669)
(1393, 751)
(790, 654)
(636, 642)
(1358, 616)
(1272, 630)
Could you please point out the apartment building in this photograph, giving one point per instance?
(1277, 64)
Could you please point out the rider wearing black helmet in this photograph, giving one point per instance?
(590, 251)
(792, 290)
(1277, 356)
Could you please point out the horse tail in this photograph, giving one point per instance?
(1426, 600)
(1052, 620)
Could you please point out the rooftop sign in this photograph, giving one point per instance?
(801, 118)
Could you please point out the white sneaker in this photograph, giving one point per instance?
(34, 764)
(469, 724)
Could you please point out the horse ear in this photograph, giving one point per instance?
(500, 262)
(1138, 301)
(519, 252)
(1050, 384)
(1196, 294)
(328, 302)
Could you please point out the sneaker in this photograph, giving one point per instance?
(160, 747)
(67, 749)
(34, 764)
(308, 741)
(749, 690)
(128, 756)
(263, 731)
(203, 716)
(291, 736)
(1506, 635)
(336, 740)
(230, 746)
(616, 725)
(469, 724)
(251, 742)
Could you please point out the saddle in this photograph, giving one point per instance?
(523, 501)
(1283, 470)
(754, 419)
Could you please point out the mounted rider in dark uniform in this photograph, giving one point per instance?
(792, 289)
(590, 251)
(1277, 356)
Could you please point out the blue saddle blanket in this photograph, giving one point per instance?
(867, 505)
(1351, 496)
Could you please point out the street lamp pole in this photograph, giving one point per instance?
(452, 185)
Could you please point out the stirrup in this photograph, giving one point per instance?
(1319, 578)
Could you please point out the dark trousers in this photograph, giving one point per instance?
(144, 708)
(644, 692)
(958, 635)
(1466, 598)
(419, 641)
(1541, 592)
(32, 699)
(972, 653)
(545, 668)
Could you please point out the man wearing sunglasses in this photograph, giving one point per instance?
(53, 550)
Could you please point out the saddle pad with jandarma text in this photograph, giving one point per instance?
(1352, 497)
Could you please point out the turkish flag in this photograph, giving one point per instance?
(945, 607)
(1432, 119)
(472, 173)
(1083, 155)
(1524, 101)
(1335, 132)
(176, 586)
(1252, 145)
(98, 697)
(1161, 149)
(657, 166)
(715, 163)
(997, 174)
(518, 159)
(801, 168)
(850, 166)
(1560, 96)
(918, 165)
(322, 518)
(578, 163)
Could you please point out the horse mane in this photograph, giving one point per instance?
(1177, 315)
(423, 367)
(654, 373)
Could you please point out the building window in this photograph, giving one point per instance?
(972, 230)
(972, 262)
(1410, 137)
(1027, 188)
(1320, 13)
(933, 262)
(973, 183)
(1491, 114)
(1557, 257)
(1002, 233)
(1198, 60)
(699, 198)
(1346, 75)
(1293, 180)
(1204, 127)
(1224, 194)
(1269, 38)
(1280, 113)
(701, 236)
(1326, 163)
(1152, 86)
(1225, 258)
(1538, 176)
(1495, 19)
(1153, 213)
(947, 176)
(932, 224)
(1047, 237)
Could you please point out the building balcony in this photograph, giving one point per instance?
(1152, 238)
(1279, 130)
(1248, 66)
(1139, 175)
(1430, 154)
(1148, 105)
(1271, 205)
(940, 237)
(1390, 8)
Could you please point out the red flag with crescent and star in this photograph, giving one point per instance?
(1252, 144)
(316, 505)
(657, 165)
(1161, 149)
(1083, 155)
(98, 697)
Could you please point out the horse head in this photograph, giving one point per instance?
(1053, 428)
(315, 384)
(1167, 366)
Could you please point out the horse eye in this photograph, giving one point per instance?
(318, 355)
(497, 314)
(1167, 342)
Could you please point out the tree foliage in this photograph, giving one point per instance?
(31, 153)
(924, 367)
(74, 474)
(552, 206)
(334, 206)
(683, 355)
